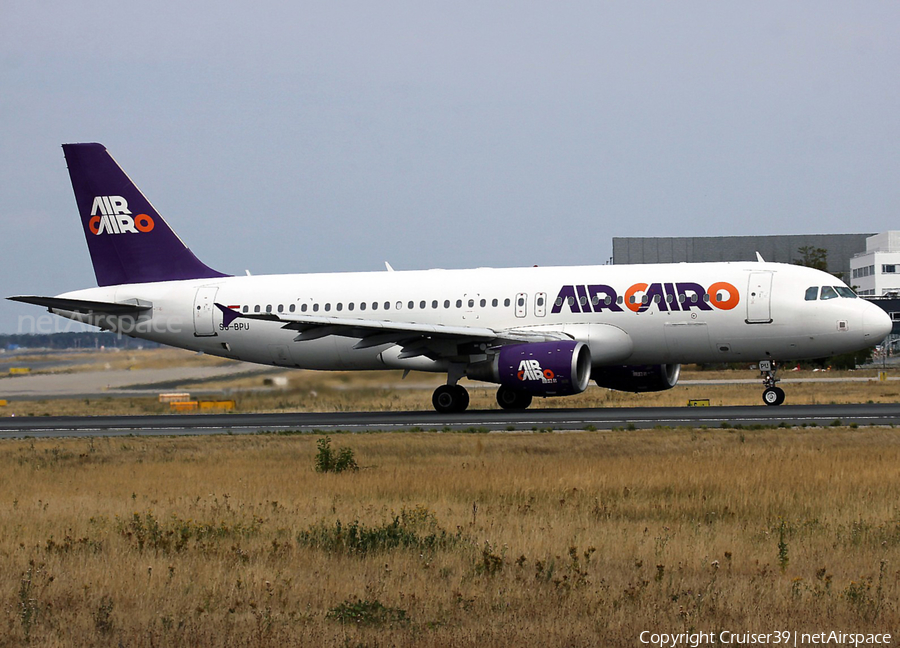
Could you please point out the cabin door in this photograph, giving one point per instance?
(204, 310)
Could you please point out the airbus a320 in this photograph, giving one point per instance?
(535, 332)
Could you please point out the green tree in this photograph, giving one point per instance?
(815, 257)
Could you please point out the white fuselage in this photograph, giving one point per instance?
(768, 317)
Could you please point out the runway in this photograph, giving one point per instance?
(537, 420)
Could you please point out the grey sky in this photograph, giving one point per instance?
(299, 137)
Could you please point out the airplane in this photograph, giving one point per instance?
(535, 331)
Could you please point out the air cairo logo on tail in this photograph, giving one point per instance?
(110, 215)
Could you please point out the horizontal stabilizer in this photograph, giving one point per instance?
(85, 307)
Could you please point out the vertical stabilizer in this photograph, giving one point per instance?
(128, 240)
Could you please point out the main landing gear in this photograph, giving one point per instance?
(512, 399)
(772, 395)
(450, 399)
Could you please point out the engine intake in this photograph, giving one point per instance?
(638, 378)
(540, 368)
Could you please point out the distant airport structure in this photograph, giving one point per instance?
(841, 249)
(875, 272)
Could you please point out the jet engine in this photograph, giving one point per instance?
(638, 378)
(558, 368)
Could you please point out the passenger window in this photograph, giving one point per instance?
(434, 304)
(828, 293)
(387, 305)
(280, 308)
(269, 308)
(411, 305)
(422, 304)
(471, 303)
(506, 302)
(350, 306)
(340, 306)
(812, 293)
(399, 305)
(362, 305)
(459, 303)
(521, 301)
(483, 303)
(494, 303)
(245, 309)
(256, 308)
(303, 307)
(327, 307)
(446, 303)
(315, 308)
(293, 307)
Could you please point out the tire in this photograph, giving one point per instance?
(450, 399)
(773, 396)
(512, 399)
(463, 396)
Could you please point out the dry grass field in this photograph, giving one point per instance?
(317, 391)
(581, 539)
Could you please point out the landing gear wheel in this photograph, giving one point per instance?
(773, 396)
(463, 398)
(512, 399)
(449, 399)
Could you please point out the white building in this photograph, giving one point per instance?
(876, 272)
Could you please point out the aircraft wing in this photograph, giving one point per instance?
(433, 340)
(130, 307)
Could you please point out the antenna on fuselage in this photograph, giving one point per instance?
(388, 266)
(759, 257)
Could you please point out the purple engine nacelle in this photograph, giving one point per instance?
(638, 378)
(539, 368)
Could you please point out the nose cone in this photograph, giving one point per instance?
(876, 324)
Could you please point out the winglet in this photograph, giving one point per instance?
(228, 314)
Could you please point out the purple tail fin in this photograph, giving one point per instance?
(129, 241)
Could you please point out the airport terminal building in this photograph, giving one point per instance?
(781, 249)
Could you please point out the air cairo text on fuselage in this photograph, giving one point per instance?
(639, 297)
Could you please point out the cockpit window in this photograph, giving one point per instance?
(812, 293)
(843, 291)
(829, 293)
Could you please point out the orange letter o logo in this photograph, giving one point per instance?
(723, 304)
(143, 222)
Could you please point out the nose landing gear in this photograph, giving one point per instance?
(772, 395)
